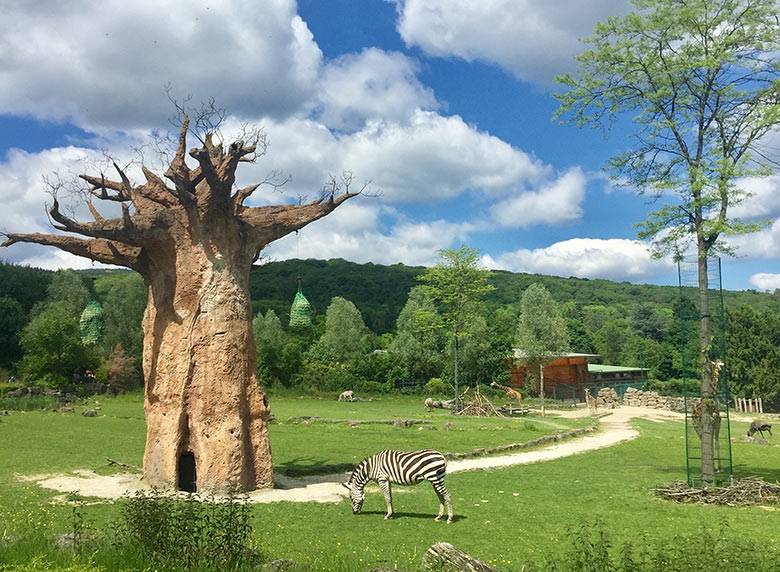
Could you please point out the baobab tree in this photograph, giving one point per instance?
(193, 240)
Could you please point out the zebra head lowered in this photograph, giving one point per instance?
(357, 495)
(356, 485)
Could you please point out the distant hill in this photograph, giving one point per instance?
(380, 291)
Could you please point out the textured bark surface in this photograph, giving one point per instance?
(202, 394)
(194, 244)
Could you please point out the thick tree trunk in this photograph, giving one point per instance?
(541, 386)
(708, 410)
(194, 244)
(202, 395)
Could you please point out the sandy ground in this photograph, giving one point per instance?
(615, 428)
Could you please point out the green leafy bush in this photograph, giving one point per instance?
(437, 386)
(186, 534)
(589, 549)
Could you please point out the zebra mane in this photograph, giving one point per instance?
(360, 470)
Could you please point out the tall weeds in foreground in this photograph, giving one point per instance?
(589, 550)
(191, 533)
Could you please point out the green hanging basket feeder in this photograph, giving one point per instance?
(91, 323)
(300, 311)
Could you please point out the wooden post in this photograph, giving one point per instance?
(760, 405)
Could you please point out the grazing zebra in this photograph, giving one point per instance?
(403, 468)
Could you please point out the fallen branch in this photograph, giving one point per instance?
(114, 462)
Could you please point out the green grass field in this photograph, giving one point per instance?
(508, 517)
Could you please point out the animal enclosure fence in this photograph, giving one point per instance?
(716, 405)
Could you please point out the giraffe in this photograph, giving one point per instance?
(699, 410)
(510, 393)
(592, 402)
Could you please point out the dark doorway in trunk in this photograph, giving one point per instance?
(188, 477)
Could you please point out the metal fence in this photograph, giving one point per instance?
(717, 406)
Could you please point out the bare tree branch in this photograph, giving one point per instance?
(269, 223)
(101, 250)
(121, 230)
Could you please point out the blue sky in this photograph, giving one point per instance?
(445, 105)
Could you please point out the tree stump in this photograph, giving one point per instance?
(444, 556)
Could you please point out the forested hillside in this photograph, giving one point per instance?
(627, 324)
(381, 291)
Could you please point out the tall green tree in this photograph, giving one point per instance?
(346, 336)
(12, 320)
(610, 340)
(53, 350)
(579, 339)
(270, 341)
(648, 322)
(68, 289)
(419, 343)
(123, 297)
(699, 79)
(754, 355)
(457, 285)
(541, 333)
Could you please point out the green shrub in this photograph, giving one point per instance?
(373, 387)
(326, 377)
(437, 386)
(186, 534)
(589, 549)
(29, 403)
(674, 387)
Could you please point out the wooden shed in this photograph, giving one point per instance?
(564, 378)
(570, 374)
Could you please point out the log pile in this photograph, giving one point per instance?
(438, 404)
(743, 492)
(607, 398)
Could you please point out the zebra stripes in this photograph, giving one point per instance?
(402, 468)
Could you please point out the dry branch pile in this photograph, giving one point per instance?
(743, 492)
(477, 405)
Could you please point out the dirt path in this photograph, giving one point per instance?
(615, 428)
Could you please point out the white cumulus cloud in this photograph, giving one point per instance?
(764, 198)
(429, 158)
(762, 244)
(765, 281)
(372, 84)
(614, 259)
(556, 202)
(355, 232)
(532, 39)
(104, 63)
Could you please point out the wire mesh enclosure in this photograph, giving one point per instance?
(706, 415)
